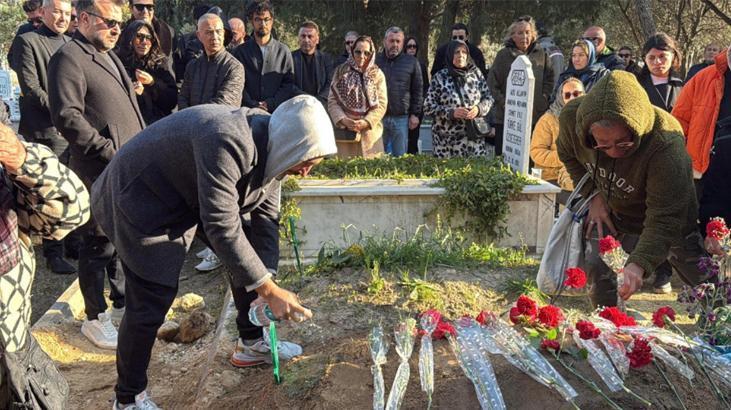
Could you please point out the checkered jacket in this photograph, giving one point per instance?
(51, 201)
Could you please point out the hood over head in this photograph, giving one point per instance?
(299, 130)
(619, 97)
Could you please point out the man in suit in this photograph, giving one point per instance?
(176, 176)
(94, 106)
(268, 62)
(33, 51)
(32, 10)
(313, 69)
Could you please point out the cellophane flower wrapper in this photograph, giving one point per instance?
(672, 361)
(615, 259)
(472, 353)
(600, 363)
(524, 356)
(426, 356)
(711, 359)
(379, 347)
(404, 335)
(662, 335)
(616, 352)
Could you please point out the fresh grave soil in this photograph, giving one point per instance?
(334, 371)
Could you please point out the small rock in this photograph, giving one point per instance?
(193, 327)
(190, 302)
(184, 369)
(168, 331)
(230, 380)
(174, 373)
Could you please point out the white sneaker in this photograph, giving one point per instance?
(210, 263)
(142, 402)
(204, 253)
(101, 332)
(260, 352)
(115, 314)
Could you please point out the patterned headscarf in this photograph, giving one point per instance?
(355, 90)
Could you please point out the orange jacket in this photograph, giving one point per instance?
(697, 110)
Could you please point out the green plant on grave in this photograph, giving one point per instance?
(419, 290)
(377, 283)
(288, 207)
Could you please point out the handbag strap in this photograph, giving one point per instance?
(579, 208)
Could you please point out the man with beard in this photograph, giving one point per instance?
(93, 105)
(33, 51)
(145, 10)
(313, 68)
(216, 77)
(404, 81)
(267, 62)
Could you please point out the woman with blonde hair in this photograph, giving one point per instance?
(521, 40)
(357, 102)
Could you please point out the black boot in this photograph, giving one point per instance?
(59, 266)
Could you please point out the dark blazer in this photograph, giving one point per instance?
(666, 102)
(22, 29)
(324, 73)
(270, 80)
(178, 175)
(33, 51)
(94, 108)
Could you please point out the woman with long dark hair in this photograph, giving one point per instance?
(659, 77)
(411, 46)
(149, 69)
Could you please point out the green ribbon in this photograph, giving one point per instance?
(274, 342)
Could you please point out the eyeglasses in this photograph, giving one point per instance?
(265, 20)
(457, 37)
(662, 58)
(142, 7)
(411, 46)
(592, 39)
(624, 55)
(362, 53)
(624, 146)
(142, 37)
(575, 93)
(109, 23)
(350, 43)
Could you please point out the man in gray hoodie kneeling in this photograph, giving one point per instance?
(207, 165)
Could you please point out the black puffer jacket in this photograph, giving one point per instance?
(404, 82)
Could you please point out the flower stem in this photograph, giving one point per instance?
(667, 381)
(588, 382)
(643, 400)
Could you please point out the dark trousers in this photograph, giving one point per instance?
(683, 257)
(412, 146)
(498, 140)
(97, 259)
(146, 305)
(242, 300)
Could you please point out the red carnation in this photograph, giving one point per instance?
(527, 306)
(515, 315)
(587, 330)
(608, 244)
(641, 353)
(442, 329)
(716, 228)
(483, 316)
(575, 278)
(658, 318)
(550, 316)
(617, 317)
(550, 344)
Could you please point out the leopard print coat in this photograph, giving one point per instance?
(449, 134)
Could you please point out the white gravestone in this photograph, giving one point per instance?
(518, 122)
(9, 95)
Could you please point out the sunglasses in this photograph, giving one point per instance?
(411, 46)
(350, 43)
(73, 17)
(142, 7)
(575, 93)
(142, 37)
(457, 37)
(623, 55)
(362, 53)
(624, 146)
(592, 39)
(109, 23)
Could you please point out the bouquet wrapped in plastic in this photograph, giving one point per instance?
(379, 347)
(404, 335)
(428, 321)
(611, 252)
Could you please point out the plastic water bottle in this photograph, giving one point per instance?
(261, 315)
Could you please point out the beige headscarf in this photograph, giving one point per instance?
(355, 89)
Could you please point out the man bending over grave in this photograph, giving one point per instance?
(636, 156)
(207, 165)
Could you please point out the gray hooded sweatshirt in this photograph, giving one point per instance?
(207, 165)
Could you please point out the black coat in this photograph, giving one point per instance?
(440, 59)
(610, 60)
(22, 29)
(270, 80)
(666, 102)
(404, 83)
(91, 106)
(324, 73)
(159, 99)
(217, 80)
(33, 52)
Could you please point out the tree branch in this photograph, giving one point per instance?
(718, 11)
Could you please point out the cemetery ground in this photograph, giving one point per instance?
(334, 371)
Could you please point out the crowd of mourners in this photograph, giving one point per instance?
(655, 146)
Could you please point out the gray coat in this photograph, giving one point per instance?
(92, 106)
(178, 174)
(217, 80)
